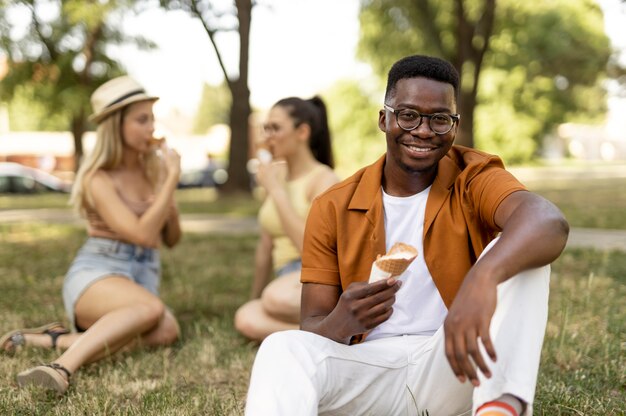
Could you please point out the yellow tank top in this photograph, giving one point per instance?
(284, 250)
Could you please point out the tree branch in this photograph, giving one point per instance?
(211, 32)
(244, 15)
(37, 25)
(89, 49)
(484, 29)
(427, 21)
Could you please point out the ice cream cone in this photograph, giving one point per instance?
(264, 156)
(394, 263)
(157, 141)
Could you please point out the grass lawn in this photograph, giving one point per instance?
(190, 201)
(204, 280)
(589, 203)
(586, 202)
(207, 277)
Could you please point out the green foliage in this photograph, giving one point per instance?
(556, 55)
(545, 63)
(27, 113)
(391, 29)
(60, 56)
(353, 118)
(214, 108)
(503, 132)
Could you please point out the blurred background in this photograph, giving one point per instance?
(543, 82)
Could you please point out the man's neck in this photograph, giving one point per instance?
(399, 182)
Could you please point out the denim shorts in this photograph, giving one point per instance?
(101, 257)
(292, 266)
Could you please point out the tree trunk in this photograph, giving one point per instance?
(238, 179)
(472, 44)
(465, 134)
(78, 129)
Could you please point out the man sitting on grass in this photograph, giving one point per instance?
(461, 330)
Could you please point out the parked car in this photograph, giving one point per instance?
(20, 179)
(213, 175)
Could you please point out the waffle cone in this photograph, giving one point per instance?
(402, 247)
(156, 141)
(394, 267)
(390, 265)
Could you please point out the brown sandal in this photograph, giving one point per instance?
(47, 376)
(12, 340)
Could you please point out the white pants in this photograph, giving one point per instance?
(301, 373)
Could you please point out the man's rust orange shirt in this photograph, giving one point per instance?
(345, 226)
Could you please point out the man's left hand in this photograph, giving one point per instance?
(467, 321)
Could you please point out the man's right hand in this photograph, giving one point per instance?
(360, 308)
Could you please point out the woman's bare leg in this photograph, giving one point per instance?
(253, 322)
(158, 336)
(115, 312)
(281, 298)
(277, 310)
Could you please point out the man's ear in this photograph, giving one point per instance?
(382, 120)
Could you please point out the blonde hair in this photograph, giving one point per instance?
(107, 155)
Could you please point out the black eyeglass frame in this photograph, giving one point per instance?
(455, 118)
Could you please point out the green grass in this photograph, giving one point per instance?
(209, 201)
(586, 202)
(190, 201)
(32, 201)
(208, 276)
(589, 203)
(204, 280)
(583, 367)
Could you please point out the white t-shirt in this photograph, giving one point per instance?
(419, 309)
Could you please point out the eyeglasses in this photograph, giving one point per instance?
(409, 119)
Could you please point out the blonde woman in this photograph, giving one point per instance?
(298, 137)
(126, 193)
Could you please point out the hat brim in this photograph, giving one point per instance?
(99, 117)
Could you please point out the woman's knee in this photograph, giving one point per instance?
(168, 329)
(166, 332)
(280, 301)
(247, 317)
(117, 293)
(152, 310)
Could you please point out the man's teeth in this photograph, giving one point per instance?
(419, 149)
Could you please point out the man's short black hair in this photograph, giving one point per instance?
(422, 66)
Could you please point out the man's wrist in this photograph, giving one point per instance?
(318, 326)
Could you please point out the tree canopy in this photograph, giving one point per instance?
(543, 64)
(59, 57)
(352, 116)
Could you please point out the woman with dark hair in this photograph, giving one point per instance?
(298, 138)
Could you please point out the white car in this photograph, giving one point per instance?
(20, 179)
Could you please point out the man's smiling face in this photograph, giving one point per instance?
(421, 149)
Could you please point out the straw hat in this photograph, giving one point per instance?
(115, 94)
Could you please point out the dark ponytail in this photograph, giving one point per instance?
(313, 113)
